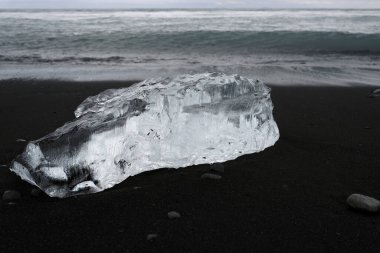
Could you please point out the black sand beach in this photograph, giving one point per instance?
(288, 198)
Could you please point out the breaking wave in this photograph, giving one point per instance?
(191, 42)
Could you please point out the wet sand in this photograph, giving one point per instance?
(288, 198)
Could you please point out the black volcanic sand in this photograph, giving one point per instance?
(289, 198)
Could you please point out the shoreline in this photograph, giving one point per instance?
(290, 197)
(289, 69)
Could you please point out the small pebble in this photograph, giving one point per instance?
(10, 195)
(150, 237)
(210, 176)
(375, 93)
(173, 215)
(21, 140)
(3, 165)
(217, 167)
(362, 202)
(35, 192)
(136, 187)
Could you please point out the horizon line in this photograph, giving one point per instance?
(185, 8)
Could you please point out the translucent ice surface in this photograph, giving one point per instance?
(157, 123)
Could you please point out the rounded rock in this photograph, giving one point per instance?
(174, 215)
(217, 167)
(11, 195)
(362, 202)
(211, 176)
(35, 192)
(150, 237)
(375, 93)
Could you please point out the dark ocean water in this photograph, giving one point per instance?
(282, 46)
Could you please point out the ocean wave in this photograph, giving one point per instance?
(190, 42)
(255, 42)
(323, 70)
(25, 59)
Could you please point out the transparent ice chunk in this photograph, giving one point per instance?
(157, 123)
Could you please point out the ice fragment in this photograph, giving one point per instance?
(157, 123)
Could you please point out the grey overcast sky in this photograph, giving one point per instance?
(368, 4)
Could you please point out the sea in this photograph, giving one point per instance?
(280, 47)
